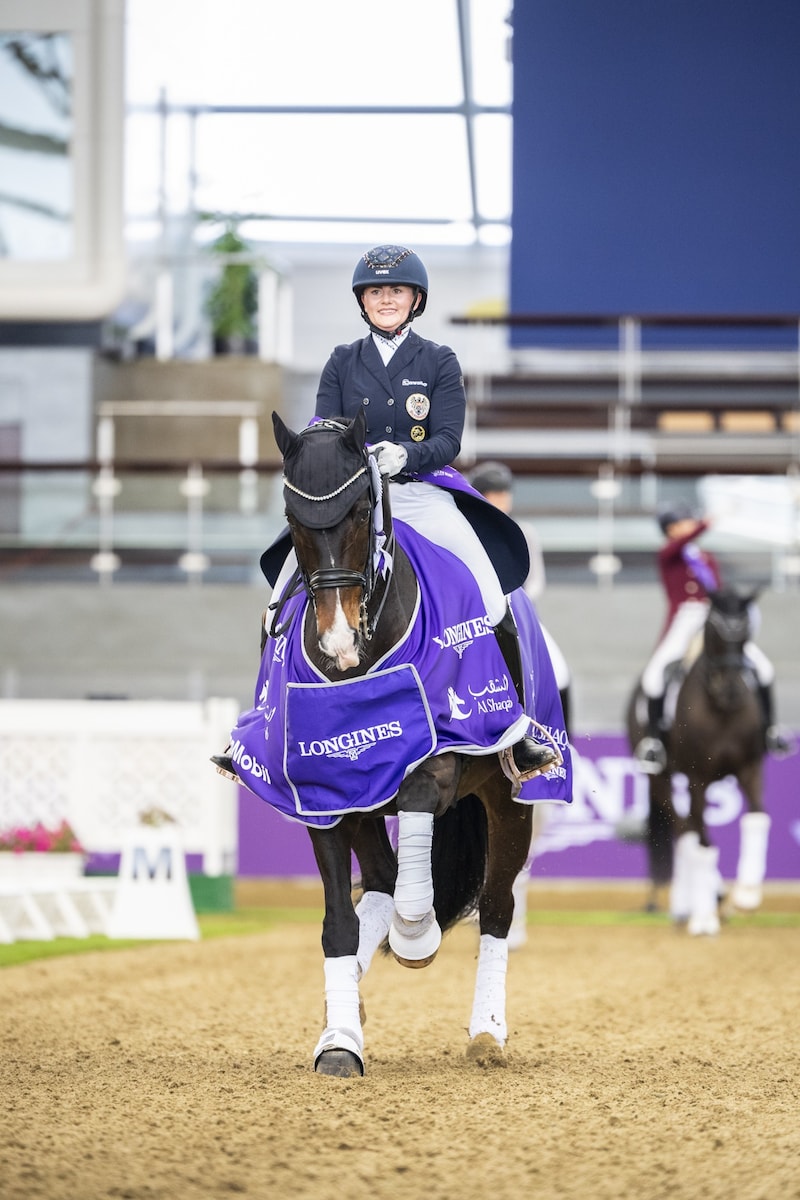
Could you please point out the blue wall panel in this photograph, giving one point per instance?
(656, 157)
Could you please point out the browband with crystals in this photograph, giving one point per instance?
(330, 495)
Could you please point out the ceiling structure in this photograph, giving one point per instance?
(312, 123)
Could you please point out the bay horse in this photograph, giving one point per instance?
(461, 836)
(717, 731)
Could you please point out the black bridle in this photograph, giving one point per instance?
(340, 577)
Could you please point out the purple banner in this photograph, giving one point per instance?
(577, 841)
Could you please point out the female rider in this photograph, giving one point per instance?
(412, 393)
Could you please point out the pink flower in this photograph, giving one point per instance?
(40, 839)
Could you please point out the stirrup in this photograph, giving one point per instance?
(778, 742)
(224, 765)
(650, 756)
(543, 757)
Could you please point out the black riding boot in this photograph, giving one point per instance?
(530, 757)
(775, 740)
(651, 753)
(655, 717)
(566, 708)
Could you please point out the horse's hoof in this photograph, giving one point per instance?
(342, 1064)
(415, 943)
(707, 926)
(414, 963)
(485, 1051)
(746, 898)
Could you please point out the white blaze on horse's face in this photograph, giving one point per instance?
(337, 611)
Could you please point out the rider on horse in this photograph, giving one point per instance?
(689, 574)
(411, 392)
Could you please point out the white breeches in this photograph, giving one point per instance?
(433, 512)
(559, 663)
(687, 624)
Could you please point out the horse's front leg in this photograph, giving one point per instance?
(340, 1049)
(701, 859)
(415, 936)
(754, 826)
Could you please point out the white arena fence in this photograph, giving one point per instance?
(100, 765)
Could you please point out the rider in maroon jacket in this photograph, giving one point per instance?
(689, 573)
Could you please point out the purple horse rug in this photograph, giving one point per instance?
(315, 749)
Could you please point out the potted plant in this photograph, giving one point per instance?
(232, 303)
(36, 851)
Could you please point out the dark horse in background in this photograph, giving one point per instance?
(717, 731)
(462, 838)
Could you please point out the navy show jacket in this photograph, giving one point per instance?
(417, 401)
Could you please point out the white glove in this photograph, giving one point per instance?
(390, 458)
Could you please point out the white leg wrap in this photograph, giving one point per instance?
(489, 1004)
(374, 911)
(413, 893)
(754, 838)
(680, 896)
(704, 915)
(343, 1022)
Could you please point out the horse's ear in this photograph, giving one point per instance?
(356, 433)
(284, 436)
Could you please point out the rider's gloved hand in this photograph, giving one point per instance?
(390, 458)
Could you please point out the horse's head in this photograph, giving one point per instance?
(728, 623)
(330, 495)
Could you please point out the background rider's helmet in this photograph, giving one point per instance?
(491, 477)
(391, 264)
(671, 513)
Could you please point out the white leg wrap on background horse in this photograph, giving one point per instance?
(343, 1021)
(680, 892)
(374, 911)
(753, 840)
(413, 893)
(704, 916)
(489, 1004)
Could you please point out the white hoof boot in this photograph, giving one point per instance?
(704, 915)
(680, 894)
(752, 866)
(746, 899)
(415, 943)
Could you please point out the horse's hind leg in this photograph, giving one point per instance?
(510, 828)
(340, 1049)
(375, 909)
(660, 834)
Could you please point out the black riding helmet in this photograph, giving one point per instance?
(391, 264)
(672, 513)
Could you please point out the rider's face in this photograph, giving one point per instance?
(388, 306)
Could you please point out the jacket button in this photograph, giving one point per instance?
(388, 429)
(390, 401)
(365, 400)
